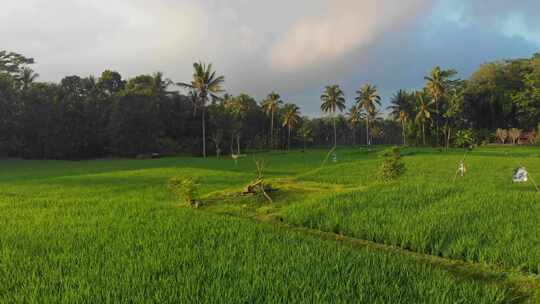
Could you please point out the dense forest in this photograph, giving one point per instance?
(88, 117)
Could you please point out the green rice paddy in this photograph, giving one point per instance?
(110, 230)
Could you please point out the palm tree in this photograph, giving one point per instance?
(423, 113)
(205, 83)
(27, 77)
(291, 117)
(400, 109)
(437, 84)
(270, 106)
(306, 132)
(354, 117)
(333, 100)
(160, 84)
(368, 99)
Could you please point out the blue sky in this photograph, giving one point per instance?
(292, 47)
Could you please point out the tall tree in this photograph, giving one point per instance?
(354, 116)
(424, 111)
(400, 107)
(453, 113)
(368, 99)
(12, 63)
(270, 106)
(206, 84)
(333, 100)
(437, 86)
(291, 118)
(135, 123)
(26, 78)
(240, 107)
(306, 132)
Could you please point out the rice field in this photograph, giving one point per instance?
(110, 230)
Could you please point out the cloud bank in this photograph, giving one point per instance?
(346, 25)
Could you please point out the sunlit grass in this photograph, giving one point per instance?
(109, 230)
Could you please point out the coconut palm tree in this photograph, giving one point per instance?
(27, 77)
(437, 85)
(306, 132)
(423, 116)
(291, 118)
(205, 84)
(161, 84)
(270, 107)
(354, 116)
(333, 100)
(400, 110)
(368, 99)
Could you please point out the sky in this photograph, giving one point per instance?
(295, 47)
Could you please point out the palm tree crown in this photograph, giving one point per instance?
(355, 115)
(291, 118)
(270, 106)
(437, 84)
(423, 116)
(291, 115)
(401, 109)
(368, 98)
(27, 77)
(333, 100)
(205, 83)
(271, 103)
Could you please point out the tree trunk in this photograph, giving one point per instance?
(204, 132)
(335, 132)
(403, 132)
(423, 134)
(448, 138)
(238, 144)
(272, 131)
(368, 141)
(437, 120)
(354, 135)
(289, 140)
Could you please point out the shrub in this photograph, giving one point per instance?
(464, 138)
(186, 189)
(392, 166)
(482, 135)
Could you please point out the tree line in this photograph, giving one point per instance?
(87, 117)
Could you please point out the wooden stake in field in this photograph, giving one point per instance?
(328, 156)
(462, 168)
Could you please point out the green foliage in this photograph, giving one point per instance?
(392, 167)
(186, 189)
(87, 117)
(465, 138)
(12, 63)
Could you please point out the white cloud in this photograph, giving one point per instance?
(345, 25)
